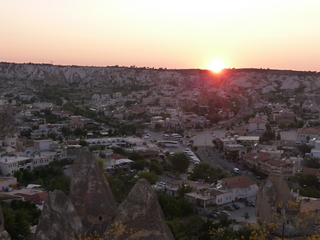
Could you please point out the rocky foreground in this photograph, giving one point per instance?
(91, 208)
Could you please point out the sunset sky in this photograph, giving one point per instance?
(282, 34)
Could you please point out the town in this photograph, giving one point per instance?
(208, 140)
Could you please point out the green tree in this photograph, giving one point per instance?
(151, 177)
(304, 148)
(101, 163)
(18, 217)
(60, 183)
(17, 175)
(246, 216)
(312, 162)
(204, 171)
(120, 150)
(83, 143)
(79, 132)
(183, 189)
(157, 126)
(156, 168)
(179, 162)
(139, 165)
(135, 156)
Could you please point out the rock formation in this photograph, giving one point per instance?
(91, 209)
(272, 191)
(275, 203)
(59, 219)
(141, 211)
(4, 235)
(90, 192)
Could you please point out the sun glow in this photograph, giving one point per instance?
(216, 66)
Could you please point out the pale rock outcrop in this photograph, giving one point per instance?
(4, 235)
(90, 192)
(59, 219)
(273, 191)
(141, 211)
(275, 203)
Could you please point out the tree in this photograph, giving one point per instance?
(135, 156)
(120, 150)
(304, 148)
(60, 183)
(80, 132)
(246, 216)
(183, 189)
(83, 143)
(17, 174)
(101, 163)
(151, 177)
(19, 216)
(157, 126)
(179, 162)
(312, 162)
(156, 168)
(139, 165)
(204, 171)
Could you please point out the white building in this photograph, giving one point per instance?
(303, 134)
(257, 124)
(241, 186)
(11, 164)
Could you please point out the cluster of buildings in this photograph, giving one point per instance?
(205, 195)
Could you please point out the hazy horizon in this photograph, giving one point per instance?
(177, 34)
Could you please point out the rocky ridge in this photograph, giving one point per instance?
(261, 80)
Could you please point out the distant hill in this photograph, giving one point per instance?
(84, 77)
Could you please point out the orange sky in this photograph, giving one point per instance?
(282, 34)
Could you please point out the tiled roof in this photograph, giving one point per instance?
(116, 156)
(238, 182)
(276, 162)
(37, 198)
(258, 120)
(314, 171)
(308, 131)
(256, 157)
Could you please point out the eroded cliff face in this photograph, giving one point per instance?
(141, 211)
(272, 192)
(4, 235)
(90, 192)
(91, 208)
(59, 219)
(275, 204)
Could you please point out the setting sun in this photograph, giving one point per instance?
(216, 66)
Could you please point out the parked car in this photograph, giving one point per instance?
(236, 206)
(248, 203)
(225, 213)
(212, 215)
(229, 207)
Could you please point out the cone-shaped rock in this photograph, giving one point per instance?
(141, 215)
(272, 191)
(59, 219)
(4, 235)
(90, 192)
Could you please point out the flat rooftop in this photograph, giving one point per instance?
(13, 159)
